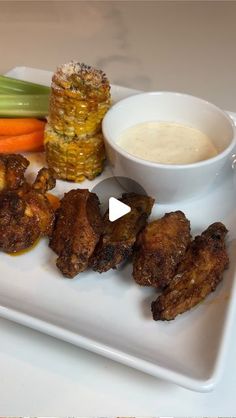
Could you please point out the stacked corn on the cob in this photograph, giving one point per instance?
(80, 97)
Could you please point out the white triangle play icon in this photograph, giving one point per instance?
(117, 209)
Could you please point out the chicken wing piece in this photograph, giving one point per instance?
(118, 237)
(44, 181)
(19, 228)
(77, 231)
(198, 274)
(12, 170)
(25, 215)
(160, 248)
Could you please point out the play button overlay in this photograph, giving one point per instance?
(115, 187)
(117, 209)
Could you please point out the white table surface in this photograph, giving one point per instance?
(183, 46)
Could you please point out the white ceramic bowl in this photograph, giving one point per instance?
(169, 183)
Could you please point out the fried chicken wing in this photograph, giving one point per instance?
(12, 170)
(77, 231)
(159, 249)
(25, 215)
(18, 226)
(44, 181)
(198, 274)
(118, 237)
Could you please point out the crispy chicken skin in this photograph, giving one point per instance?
(77, 231)
(19, 228)
(159, 249)
(198, 274)
(44, 180)
(25, 215)
(118, 237)
(12, 170)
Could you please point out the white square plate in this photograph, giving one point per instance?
(109, 314)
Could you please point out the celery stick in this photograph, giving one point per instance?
(24, 105)
(9, 85)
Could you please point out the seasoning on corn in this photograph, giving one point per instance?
(80, 97)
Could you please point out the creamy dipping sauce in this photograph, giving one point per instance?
(167, 143)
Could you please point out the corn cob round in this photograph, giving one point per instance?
(80, 97)
(74, 159)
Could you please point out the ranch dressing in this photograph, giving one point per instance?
(167, 143)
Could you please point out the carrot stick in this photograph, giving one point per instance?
(20, 126)
(22, 143)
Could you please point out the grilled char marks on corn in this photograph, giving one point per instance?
(74, 159)
(198, 274)
(159, 249)
(77, 231)
(118, 237)
(80, 97)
